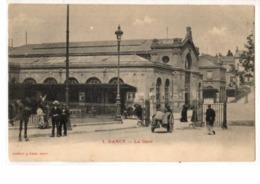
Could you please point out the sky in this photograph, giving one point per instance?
(215, 28)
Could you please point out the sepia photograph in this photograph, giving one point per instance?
(131, 83)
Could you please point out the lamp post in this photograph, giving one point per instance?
(60, 73)
(119, 34)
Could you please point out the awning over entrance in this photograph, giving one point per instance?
(210, 89)
(209, 92)
(57, 91)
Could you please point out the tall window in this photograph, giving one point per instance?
(188, 62)
(158, 90)
(166, 90)
(187, 87)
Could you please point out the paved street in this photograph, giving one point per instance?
(130, 142)
(102, 139)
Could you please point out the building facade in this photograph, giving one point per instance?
(214, 78)
(159, 71)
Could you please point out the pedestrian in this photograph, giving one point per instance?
(64, 120)
(40, 115)
(125, 114)
(45, 109)
(168, 108)
(92, 112)
(184, 113)
(139, 113)
(194, 117)
(210, 119)
(55, 113)
(168, 111)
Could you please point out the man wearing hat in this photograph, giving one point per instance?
(210, 118)
(55, 114)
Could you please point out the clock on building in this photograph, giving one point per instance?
(165, 59)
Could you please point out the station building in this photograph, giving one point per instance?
(159, 71)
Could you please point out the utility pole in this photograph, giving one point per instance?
(67, 59)
(167, 32)
(26, 38)
(67, 67)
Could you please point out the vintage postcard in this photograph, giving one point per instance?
(131, 83)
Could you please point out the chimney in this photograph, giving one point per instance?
(189, 33)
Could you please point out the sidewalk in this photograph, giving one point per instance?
(100, 120)
(81, 126)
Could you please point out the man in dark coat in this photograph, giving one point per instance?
(55, 114)
(184, 114)
(139, 113)
(64, 120)
(210, 119)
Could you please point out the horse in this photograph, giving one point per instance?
(21, 110)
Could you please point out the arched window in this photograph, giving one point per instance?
(29, 81)
(166, 90)
(188, 62)
(50, 80)
(93, 80)
(72, 80)
(158, 90)
(199, 89)
(114, 81)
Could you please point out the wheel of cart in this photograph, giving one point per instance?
(170, 123)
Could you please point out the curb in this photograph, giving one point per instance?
(72, 125)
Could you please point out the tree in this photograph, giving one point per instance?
(229, 53)
(247, 58)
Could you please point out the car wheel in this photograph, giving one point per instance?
(170, 127)
(152, 129)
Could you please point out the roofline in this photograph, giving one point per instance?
(81, 54)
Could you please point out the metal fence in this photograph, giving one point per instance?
(109, 110)
(33, 120)
(219, 108)
(84, 109)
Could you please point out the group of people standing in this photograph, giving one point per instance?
(59, 117)
(210, 117)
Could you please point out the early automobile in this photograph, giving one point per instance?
(162, 119)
